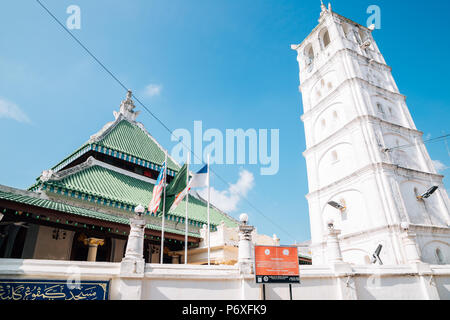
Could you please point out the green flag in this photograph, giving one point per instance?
(177, 186)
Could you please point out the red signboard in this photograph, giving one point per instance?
(276, 264)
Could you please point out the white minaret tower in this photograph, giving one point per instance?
(364, 153)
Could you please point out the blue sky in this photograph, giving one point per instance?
(225, 62)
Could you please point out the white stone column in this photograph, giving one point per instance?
(93, 244)
(245, 255)
(276, 240)
(133, 262)
(334, 254)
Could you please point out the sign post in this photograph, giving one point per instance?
(276, 265)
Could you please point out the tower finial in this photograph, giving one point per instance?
(322, 6)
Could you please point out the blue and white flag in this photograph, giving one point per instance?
(200, 179)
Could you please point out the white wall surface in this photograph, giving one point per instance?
(181, 282)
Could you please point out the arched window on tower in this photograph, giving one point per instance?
(324, 37)
(346, 29)
(380, 110)
(309, 55)
(334, 156)
(335, 115)
(362, 35)
(440, 256)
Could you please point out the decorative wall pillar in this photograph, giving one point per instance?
(245, 254)
(409, 244)
(334, 253)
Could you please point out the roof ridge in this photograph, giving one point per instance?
(90, 162)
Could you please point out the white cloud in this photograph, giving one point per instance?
(227, 200)
(12, 111)
(153, 90)
(439, 166)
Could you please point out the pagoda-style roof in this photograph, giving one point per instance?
(115, 171)
(126, 140)
(104, 185)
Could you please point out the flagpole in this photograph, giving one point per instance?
(209, 238)
(186, 220)
(164, 211)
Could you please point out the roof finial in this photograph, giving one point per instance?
(126, 108)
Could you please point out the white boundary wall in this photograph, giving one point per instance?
(192, 282)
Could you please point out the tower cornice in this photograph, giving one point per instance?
(325, 101)
(380, 166)
(320, 70)
(358, 120)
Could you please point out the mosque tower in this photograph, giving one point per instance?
(369, 172)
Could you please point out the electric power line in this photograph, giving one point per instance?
(149, 111)
(437, 139)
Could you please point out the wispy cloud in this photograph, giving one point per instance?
(228, 200)
(10, 110)
(439, 166)
(153, 90)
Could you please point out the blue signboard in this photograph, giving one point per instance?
(25, 289)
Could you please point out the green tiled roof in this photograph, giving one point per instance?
(101, 182)
(129, 138)
(57, 206)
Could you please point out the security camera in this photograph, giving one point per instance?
(330, 224)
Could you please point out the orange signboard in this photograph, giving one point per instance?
(276, 264)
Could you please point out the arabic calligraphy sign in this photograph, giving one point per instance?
(53, 290)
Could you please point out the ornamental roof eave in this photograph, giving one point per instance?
(100, 184)
(41, 201)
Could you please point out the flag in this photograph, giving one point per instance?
(200, 179)
(157, 191)
(176, 188)
(179, 197)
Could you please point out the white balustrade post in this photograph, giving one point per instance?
(245, 255)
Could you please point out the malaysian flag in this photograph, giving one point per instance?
(158, 190)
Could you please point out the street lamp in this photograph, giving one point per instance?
(139, 210)
(376, 255)
(427, 194)
(336, 205)
(243, 218)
